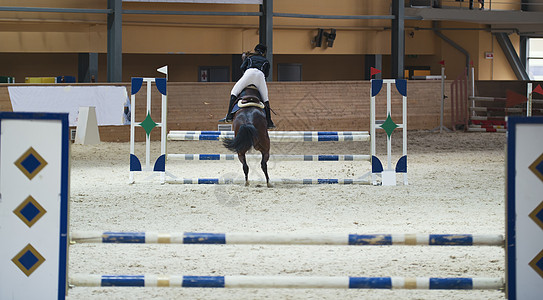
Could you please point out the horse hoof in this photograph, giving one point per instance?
(246, 183)
(270, 185)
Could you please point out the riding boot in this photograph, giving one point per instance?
(268, 115)
(229, 115)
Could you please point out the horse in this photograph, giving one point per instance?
(250, 130)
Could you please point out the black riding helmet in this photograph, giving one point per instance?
(261, 49)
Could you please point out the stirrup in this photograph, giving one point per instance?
(227, 119)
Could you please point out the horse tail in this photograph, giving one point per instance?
(243, 140)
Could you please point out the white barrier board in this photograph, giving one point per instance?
(108, 100)
(34, 176)
(525, 208)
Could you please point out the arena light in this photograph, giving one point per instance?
(330, 37)
(317, 40)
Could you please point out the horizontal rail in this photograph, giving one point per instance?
(484, 118)
(273, 157)
(498, 109)
(288, 238)
(205, 13)
(337, 17)
(472, 129)
(488, 126)
(275, 133)
(480, 98)
(190, 13)
(502, 122)
(286, 138)
(339, 282)
(499, 99)
(56, 10)
(504, 109)
(278, 181)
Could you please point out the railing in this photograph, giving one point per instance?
(459, 101)
(488, 4)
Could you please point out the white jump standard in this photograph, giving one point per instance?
(389, 174)
(524, 226)
(34, 189)
(148, 124)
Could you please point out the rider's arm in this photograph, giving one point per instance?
(245, 64)
(266, 68)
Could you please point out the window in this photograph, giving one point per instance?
(417, 72)
(214, 74)
(289, 72)
(535, 58)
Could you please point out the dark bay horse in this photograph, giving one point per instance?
(250, 130)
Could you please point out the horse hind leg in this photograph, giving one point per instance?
(264, 165)
(243, 161)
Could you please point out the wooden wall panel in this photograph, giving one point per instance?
(341, 105)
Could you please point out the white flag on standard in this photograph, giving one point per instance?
(163, 70)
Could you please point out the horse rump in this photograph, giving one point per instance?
(243, 140)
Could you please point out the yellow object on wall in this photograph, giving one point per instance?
(40, 79)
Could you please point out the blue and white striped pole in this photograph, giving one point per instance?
(274, 157)
(340, 282)
(272, 180)
(289, 238)
(274, 133)
(278, 138)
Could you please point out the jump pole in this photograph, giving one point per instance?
(274, 133)
(246, 238)
(273, 138)
(148, 124)
(273, 157)
(441, 127)
(272, 180)
(305, 282)
(529, 97)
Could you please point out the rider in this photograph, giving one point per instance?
(256, 68)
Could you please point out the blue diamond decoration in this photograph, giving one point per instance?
(537, 215)
(29, 211)
(537, 167)
(537, 264)
(148, 124)
(30, 163)
(28, 260)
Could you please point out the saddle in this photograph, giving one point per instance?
(247, 101)
(250, 100)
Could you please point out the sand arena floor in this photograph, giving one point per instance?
(456, 185)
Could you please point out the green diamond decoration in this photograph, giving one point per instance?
(389, 125)
(148, 124)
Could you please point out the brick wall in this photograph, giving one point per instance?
(337, 105)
